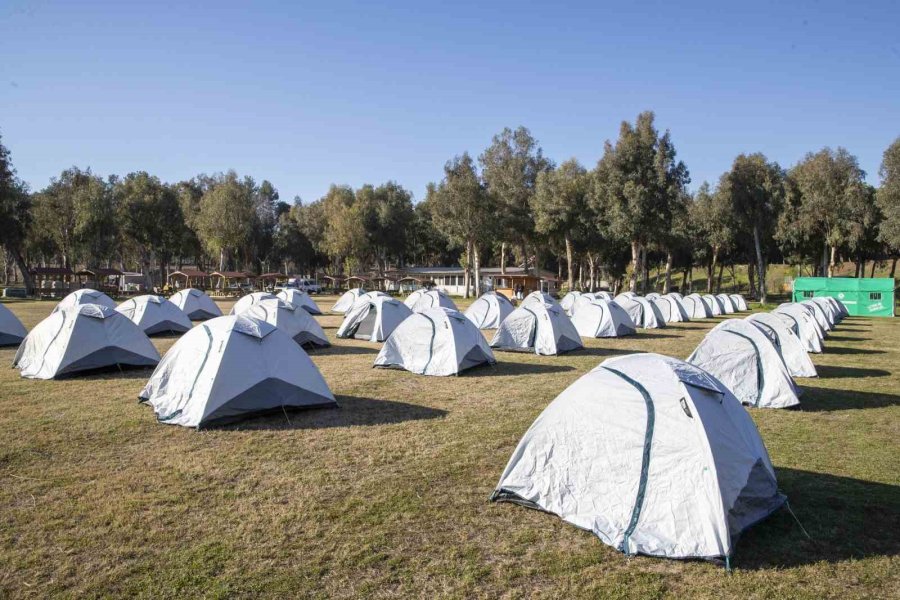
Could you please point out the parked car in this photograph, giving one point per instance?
(307, 285)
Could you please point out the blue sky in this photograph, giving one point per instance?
(309, 94)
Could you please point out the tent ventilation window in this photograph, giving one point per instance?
(874, 295)
(685, 408)
(807, 293)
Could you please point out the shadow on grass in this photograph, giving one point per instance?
(846, 518)
(354, 411)
(606, 352)
(845, 338)
(655, 334)
(110, 373)
(837, 372)
(338, 350)
(507, 369)
(816, 399)
(847, 350)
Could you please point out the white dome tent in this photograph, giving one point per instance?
(695, 306)
(568, 301)
(373, 318)
(652, 296)
(713, 304)
(678, 303)
(435, 341)
(540, 328)
(670, 309)
(293, 320)
(232, 367)
(347, 300)
(601, 318)
(739, 302)
(652, 455)
(299, 298)
(791, 348)
(154, 314)
(424, 299)
(489, 310)
(249, 300)
(538, 297)
(80, 338)
(746, 360)
(819, 315)
(727, 305)
(12, 332)
(642, 312)
(85, 296)
(195, 304)
(801, 323)
(831, 311)
(601, 296)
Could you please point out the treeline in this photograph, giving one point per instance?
(510, 205)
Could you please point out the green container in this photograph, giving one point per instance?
(862, 297)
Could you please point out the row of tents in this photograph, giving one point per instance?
(657, 456)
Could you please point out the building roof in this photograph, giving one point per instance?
(99, 272)
(231, 274)
(189, 273)
(485, 272)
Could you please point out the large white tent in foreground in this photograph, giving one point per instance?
(652, 455)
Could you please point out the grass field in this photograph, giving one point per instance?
(388, 495)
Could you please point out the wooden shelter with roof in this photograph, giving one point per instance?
(188, 278)
(232, 283)
(105, 280)
(52, 282)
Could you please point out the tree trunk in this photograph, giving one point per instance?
(635, 261)
(592, 272)
(221, 259)
(872, 273)
(477, 265)
(893, 267)
(23, 268)
(831, 261)
(751, 275)
(466, 271)
(824, 266)
(581, 274)
(719, 280)
(503, 258)
(760, 264)
(711, 270)
(569, 259)
(645, 274)
(667, 283)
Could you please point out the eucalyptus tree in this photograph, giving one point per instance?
(635, 185)
(888, 199)
(829, 182)
(15, 216)
(558, 205)
(754, 187)
(712, 220)
(345, 240)
(464, 210)
(510, 168)
(226, 219)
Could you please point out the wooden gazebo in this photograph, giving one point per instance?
(357, 281)
(270, 280)
(334, 282)
(232, 283)
(102, 279)
(52, 282)
(189, 278)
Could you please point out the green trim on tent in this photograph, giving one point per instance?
(430, 343)
(645, 459)
(760, 378)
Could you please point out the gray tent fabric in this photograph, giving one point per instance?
(373, 318)
(230, 368)
(489, 310)
(12, 332)
(80, 338)
(601, 296)
(714, 304)
(249, 300)
(195, 304)
(85, 296)
(293, 320)
(819, 315)
(540, 328)
(424, 299)
(696, 307)
(803, 324)
(568, 301)
(789, 345)
(347, 300)
(299, 298)
(601, 318)
(739, 303)
(652, 455)
(643, 312)
(726, 303)
(538, 297)
(155, 314)
(435, 341)
(746, 360)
